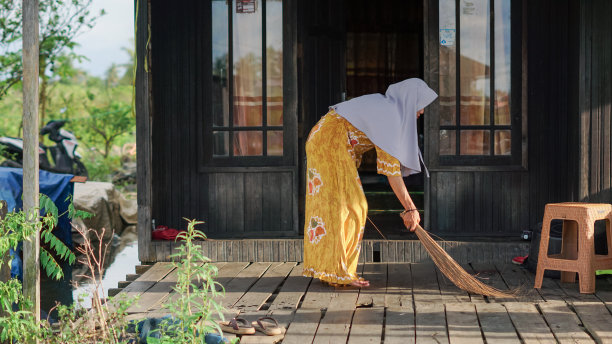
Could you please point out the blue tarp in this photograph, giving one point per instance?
(56, 186)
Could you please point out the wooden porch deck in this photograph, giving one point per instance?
(406, 303)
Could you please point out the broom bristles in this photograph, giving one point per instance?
(454, 272)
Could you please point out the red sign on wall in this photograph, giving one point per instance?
(246, 6)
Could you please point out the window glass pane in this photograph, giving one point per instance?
(474, 61)
(275, 142)
(448, 65)
(247, 143)
(274, 61)
(220, 53)
(503, 142)
(474, 142)
(220, 143)
(502, 62)
(448, 142)
(247, 62)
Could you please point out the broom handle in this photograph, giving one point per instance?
(379, 232)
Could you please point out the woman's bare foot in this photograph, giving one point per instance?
(360, 283)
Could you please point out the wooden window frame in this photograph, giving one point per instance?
(517, 159)
(209, 162)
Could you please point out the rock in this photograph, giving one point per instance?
(128, 209)
(102, 200)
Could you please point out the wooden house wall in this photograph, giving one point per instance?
(234, 202)
(595, 84)
(552, 103)
(486, 201)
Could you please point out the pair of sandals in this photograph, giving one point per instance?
(266, 325)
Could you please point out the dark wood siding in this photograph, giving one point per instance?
(486, 201)
(234, 202)
(552, 124)
(595, 83)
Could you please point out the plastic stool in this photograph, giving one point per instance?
(578, 246)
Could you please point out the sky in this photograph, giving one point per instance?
(102, 44)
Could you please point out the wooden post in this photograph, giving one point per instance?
(31, 249)
(144, 120)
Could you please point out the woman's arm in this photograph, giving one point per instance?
(412, 217)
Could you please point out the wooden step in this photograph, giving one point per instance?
(386, 200)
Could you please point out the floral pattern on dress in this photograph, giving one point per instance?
(316, 229)
(353, 139)
(314, 181)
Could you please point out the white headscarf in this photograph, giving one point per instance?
(389, 120)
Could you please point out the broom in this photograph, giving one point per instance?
(452, 270)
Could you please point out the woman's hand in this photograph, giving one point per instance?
(411, 219)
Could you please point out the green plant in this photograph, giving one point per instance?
(17, 321)
(196, 309)
(106, 321)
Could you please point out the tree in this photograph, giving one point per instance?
(128, 75)
(105, 124)
(61, 21)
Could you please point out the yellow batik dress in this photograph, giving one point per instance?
(336, 206)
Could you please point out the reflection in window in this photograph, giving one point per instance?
(220, 52)
(248, 143)
(475, 65)
(275, 142)
(274, 62)
(247, 85)
(247, 58)
(475, 142)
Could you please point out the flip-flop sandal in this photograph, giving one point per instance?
(237, 326)
(267, 327)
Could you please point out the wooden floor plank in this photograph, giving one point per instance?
(564, 323)
(240, 284)
(367, 326)
(516, 279)
(293, 289)
(430, 322)
(496, 324)
(318, 295)
(303, 327)
(264, 287)
(487, 273)
(399, 285)
(223, 269)
(228, 271)
(283, 317)
(335, 325)
(374, 295)
(449, 291)
(143, 283)
(425, 283)
(156, 294)
(572, 291)
(596, 319)
(551, 291)
(399, 325)
(529, 323)
(462, 322)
